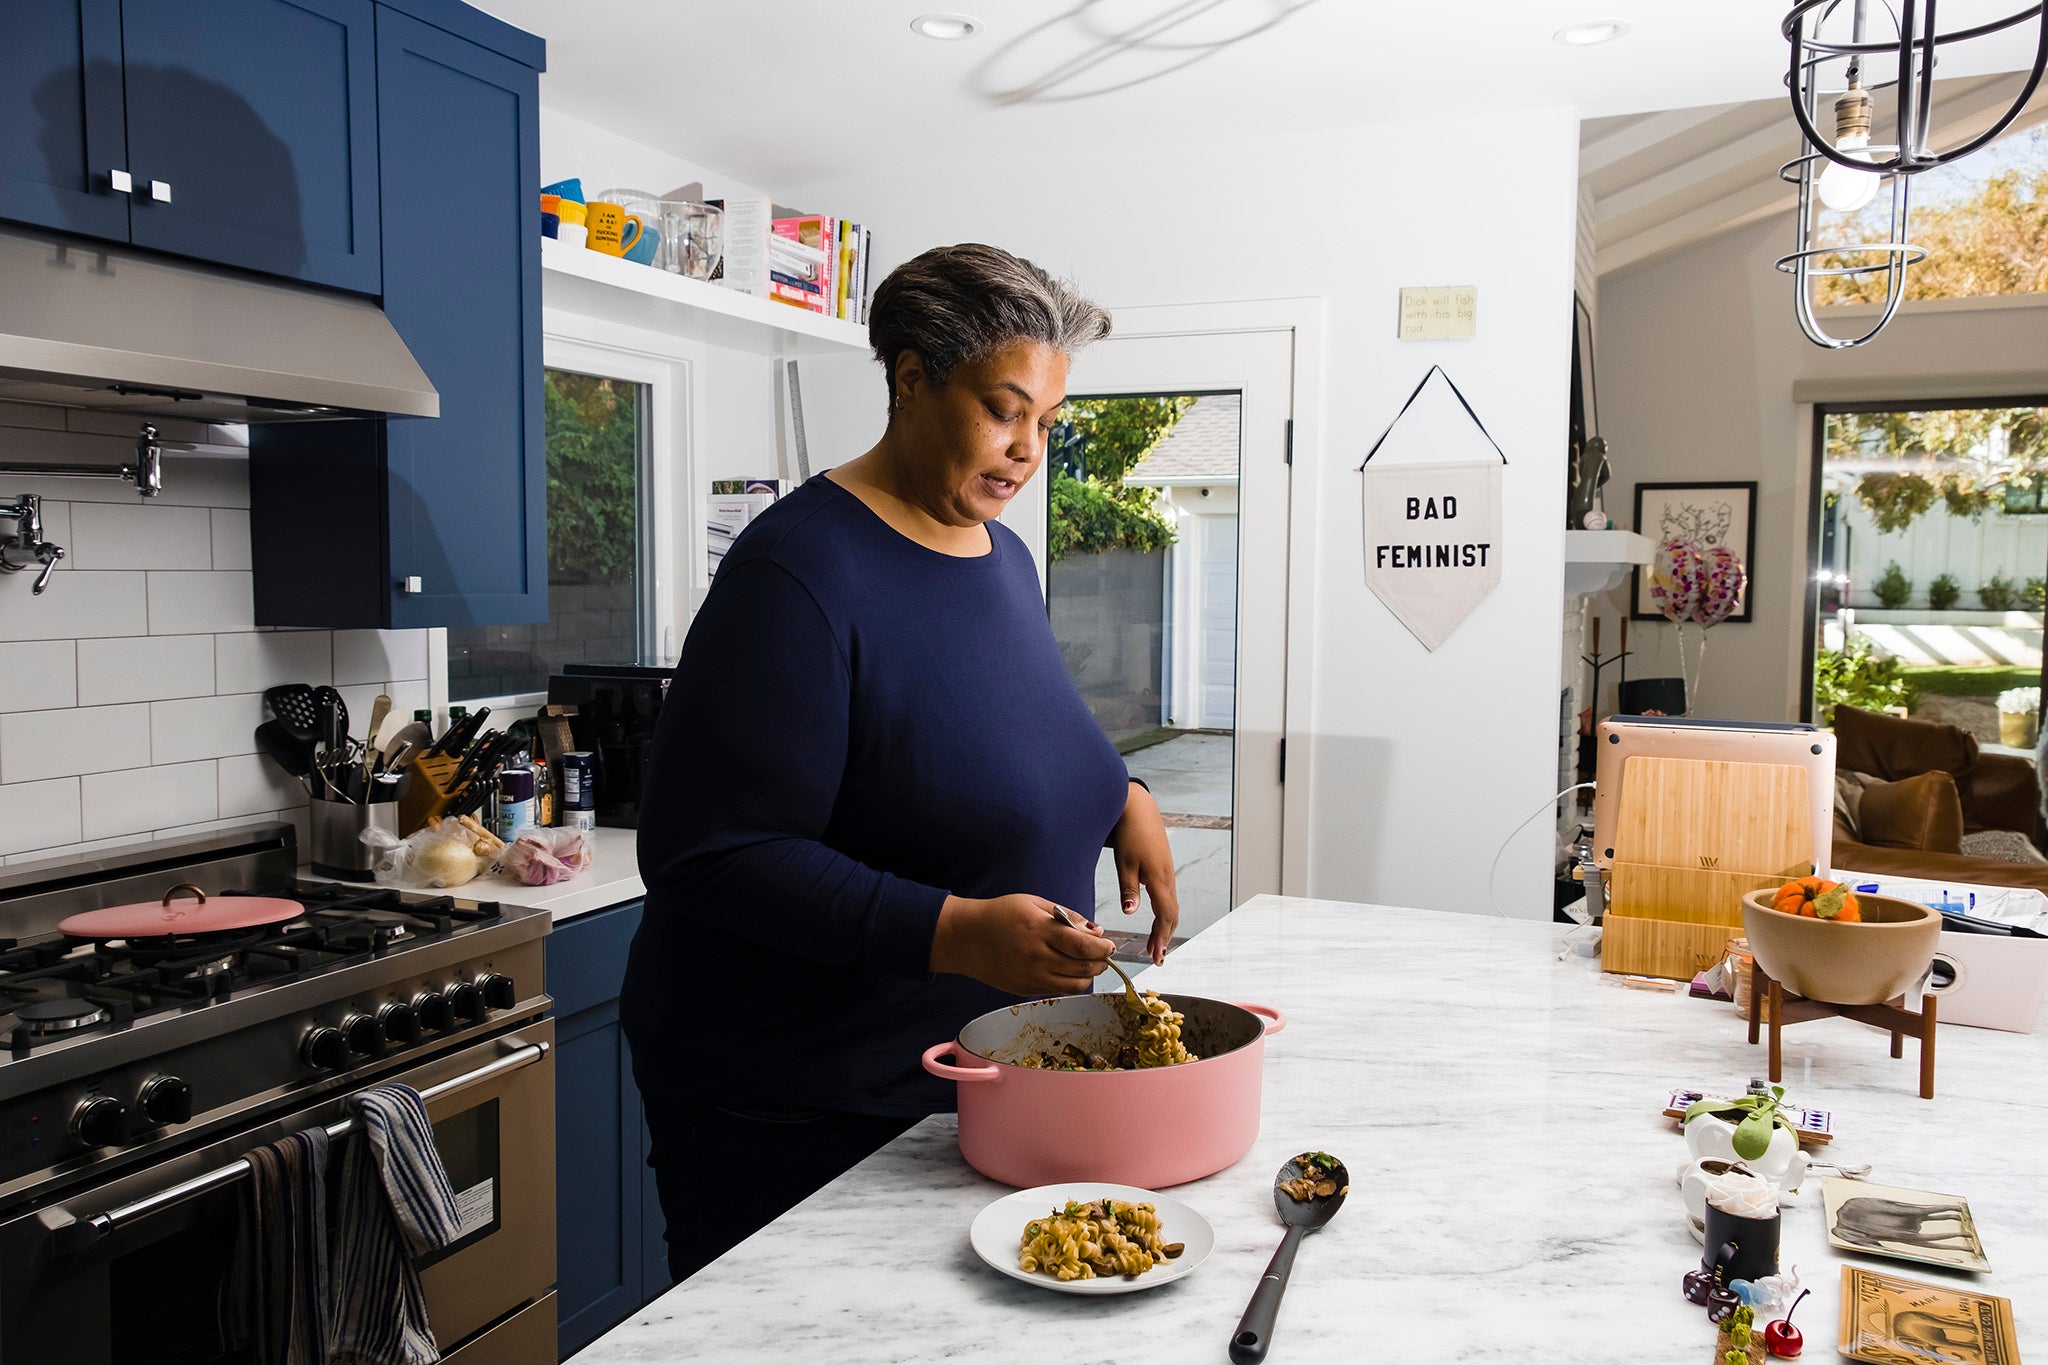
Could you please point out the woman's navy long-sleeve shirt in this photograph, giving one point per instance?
(858, 727)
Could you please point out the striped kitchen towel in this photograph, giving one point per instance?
(394, 1205)
(274, 1301)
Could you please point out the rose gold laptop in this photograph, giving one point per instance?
(1621, 738)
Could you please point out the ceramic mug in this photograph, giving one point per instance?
(570, 211)
(572, 188)
(613, 230)
(1741, 1248)
(644, 246)
(550, 225)
(551, 203)
(572, 234)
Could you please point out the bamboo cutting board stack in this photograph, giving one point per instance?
(1693, 836)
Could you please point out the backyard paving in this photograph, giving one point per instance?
(1190, 778)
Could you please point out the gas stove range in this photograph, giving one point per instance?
(112, 1048)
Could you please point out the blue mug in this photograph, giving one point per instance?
(570, 189)
(550, 225)
(645, 244)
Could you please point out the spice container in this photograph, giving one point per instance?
(515, 802)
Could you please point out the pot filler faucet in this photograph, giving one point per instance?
(25, 547)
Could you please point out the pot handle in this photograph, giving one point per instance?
(948, 1072)
(1275, 1020)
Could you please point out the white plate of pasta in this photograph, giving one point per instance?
(1097, 1232)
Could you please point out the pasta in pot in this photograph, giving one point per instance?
(1151, 1038)
(1083, 1241)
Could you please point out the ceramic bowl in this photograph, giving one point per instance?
(1867, 963)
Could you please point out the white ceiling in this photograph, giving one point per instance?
(783, 92)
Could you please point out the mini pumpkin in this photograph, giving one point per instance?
(1817, 898)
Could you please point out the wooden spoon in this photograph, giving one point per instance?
(1066, 917)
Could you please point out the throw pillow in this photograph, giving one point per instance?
(1924, 813)
(2001, 846)
(1849, 803)
(1892, 748)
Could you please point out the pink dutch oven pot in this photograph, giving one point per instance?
(1025, 1126)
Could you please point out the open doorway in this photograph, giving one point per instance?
(1141, 586)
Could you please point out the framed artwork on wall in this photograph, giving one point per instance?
(1707, 514)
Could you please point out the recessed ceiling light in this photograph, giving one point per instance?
(946, 27)
(1586, 35)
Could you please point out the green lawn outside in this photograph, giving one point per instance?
(1970, 682)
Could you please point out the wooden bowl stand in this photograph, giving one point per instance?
(1892, 1017)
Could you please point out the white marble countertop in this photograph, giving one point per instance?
(613, 879)
(1513, 1193)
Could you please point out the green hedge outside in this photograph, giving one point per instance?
(1971, 682)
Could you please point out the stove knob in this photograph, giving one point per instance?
(499, 992)
(365, 1035)
(468, 1002)
(100, 1122)
(436, 1015)
(325, 1048)
(166, 1100)
(401, 1023)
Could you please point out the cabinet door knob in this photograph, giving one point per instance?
(121, 182)
(411, 585)
(160, 190)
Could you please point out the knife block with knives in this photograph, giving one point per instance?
(429, 796)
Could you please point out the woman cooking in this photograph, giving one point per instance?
(873, 779)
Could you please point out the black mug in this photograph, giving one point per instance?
(1741, 1248)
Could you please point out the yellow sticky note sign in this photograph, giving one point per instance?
(1439, 313)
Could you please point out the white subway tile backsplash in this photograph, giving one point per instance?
(250, 663)
(68, 852)
(148, 799)
(35, 745)
(406, 698)
(359, 700)
(144, 668)
(205, 727)
(230, 529)
(363, 656)
(184, 603)
(140, 535)
(79, 604)
(36, 815)
(38, 675)
(210, 827)
(130, 692)
(251, 784)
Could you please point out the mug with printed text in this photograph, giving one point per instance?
(613, 230)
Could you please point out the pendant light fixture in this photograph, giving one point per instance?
(1834, 68)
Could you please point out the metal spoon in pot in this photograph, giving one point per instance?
(1302, 1216)
(1066, 917)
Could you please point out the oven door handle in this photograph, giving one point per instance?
(69, 1234)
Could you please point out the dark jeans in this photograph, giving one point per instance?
(725, 1173)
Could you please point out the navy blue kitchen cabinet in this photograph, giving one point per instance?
(415, 521)
(60, 109)
(609, 1256)
(242, 132)
(260, 119)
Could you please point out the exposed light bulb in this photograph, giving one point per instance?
(1841, 188)
(1845, 190)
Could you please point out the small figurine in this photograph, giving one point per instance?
(1696, 1285)
(1781, 1338)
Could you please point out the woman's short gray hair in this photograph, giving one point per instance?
(958, 303)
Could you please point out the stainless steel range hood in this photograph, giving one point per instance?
(88, 325)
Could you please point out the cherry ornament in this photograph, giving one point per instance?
(1781, 1338)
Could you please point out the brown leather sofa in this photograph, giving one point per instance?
(1932, 786)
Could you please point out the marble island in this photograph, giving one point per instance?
(1513, 1189)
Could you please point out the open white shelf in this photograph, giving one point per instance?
(1595, 561)
(580, 280)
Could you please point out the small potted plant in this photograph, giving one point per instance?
(1753, 1129)
(2019, 717)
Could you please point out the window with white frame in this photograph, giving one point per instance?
(614, 455)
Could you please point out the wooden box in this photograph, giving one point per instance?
(1692, 838)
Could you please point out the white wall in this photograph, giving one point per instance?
(1699, 355)
(130, 692)
(1423, 762)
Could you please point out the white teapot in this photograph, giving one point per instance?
(1710, 1148)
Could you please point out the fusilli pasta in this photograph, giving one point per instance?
(1083, 1241)
(1151, 1038)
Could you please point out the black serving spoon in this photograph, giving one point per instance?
(1302, 1216)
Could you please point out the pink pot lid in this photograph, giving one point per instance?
(176, 914)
